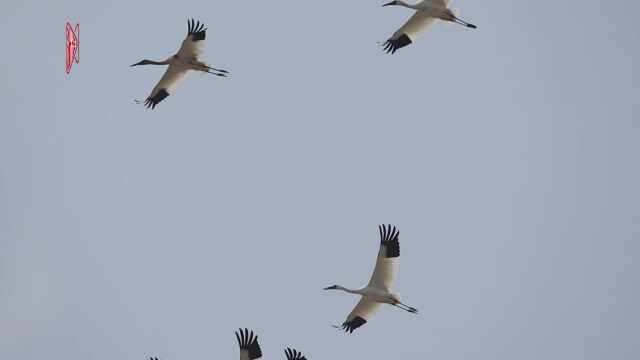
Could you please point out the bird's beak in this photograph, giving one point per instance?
(330, 287)
(135, 64)
(391, 3)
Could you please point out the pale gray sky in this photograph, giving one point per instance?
(508, 157)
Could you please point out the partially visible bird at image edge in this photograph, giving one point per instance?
(427, 11)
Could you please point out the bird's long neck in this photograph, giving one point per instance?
(151, 62)
(353, 291)
(410, 6)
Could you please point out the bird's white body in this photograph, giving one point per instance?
(186, 62)
(378, 290)
(373, 293)
(427, 12)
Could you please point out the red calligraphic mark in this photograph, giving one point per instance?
(73, 45)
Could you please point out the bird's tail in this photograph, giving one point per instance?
(456, 13)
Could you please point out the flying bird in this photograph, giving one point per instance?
(378, 291)
(250, 349)
(184, 60)
(427, 11)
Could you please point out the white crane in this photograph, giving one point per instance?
(250, 349)
(378, 291)
(184, 60)
(427, 11)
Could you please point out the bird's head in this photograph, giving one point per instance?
(391, 3)
(143, 62)
(333, 287)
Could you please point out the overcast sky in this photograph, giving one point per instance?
(507, 156)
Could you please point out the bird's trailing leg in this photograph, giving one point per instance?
(218, 70)
(405, 307)
(205, 68)
(461, 22)
(214, 69)
(216, 73)
(411, 309)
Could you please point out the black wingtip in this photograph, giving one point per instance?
(392, 45)
(151, 102)
(389, 238)
(197, 29)
(349, 326)
(248, 341)
(293, 354)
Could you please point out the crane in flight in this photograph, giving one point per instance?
(250, 349)
(184, 60)
(378, 291)
(427, 11)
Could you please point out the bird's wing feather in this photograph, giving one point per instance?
(363, 312)
(410, 31)
(249, 347)
(388, 260)
(415, 26)
(293, 354)
(171, 80)
(193, 45)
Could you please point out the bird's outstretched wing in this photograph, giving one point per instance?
(409, 32)
(363, 312)
(171, 80)
(193, 45)
(293, 354)
(249, 347)
(388, 261)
